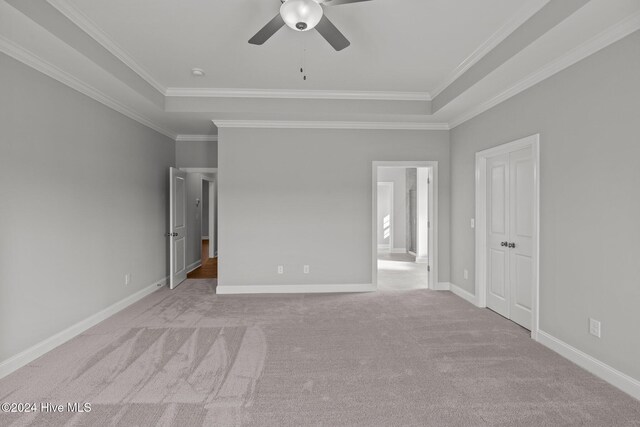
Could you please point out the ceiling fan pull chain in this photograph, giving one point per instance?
(304, 57)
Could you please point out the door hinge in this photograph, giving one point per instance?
(428, 180)
(428, 268)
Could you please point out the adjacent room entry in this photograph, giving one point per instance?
(192, 224)
(209, 261)
(404, 242)
(508, 221)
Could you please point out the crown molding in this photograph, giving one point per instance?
(488, 45)
(197, 138)
(296, 94)
(32, 60)
(274, 124)
(593, 45)
(88, 26)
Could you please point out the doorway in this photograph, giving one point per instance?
(404, 236)
(201, 212)
(507, 233)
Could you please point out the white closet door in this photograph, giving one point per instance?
(498, 234)
(521, 229)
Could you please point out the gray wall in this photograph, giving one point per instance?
(84, 201)
(304, 196)
(588, 118)
(205, 208)
(397, 176)
(194, 219)
(191, 154)
(411, 211)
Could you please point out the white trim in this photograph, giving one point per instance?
(205, 237)
(194, 265)
(464, 294)
(442, 286)
(32, 60)
(532, 141)
(196, 138)
(88, 26)
(600, 369)
(523, 15)
(293, 289)
(384, 247)
(433, 214)
(200, 170)
(399, 250)
(275, 124)
(411, 253)
(600, 41)
(25, 357)
(422, 260)
(296, 94)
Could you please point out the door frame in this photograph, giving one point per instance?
(391, 186)
(532, 141)
(432, 281)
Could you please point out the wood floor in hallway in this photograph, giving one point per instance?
(209, 267)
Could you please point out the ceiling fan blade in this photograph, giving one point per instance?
(339, 2)
(332, 34)
(268, 30)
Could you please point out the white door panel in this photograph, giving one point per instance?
(498, 221)
(177, 227)
(521, 235)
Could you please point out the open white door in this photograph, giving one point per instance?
(177, 227)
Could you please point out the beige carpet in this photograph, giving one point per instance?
(416, 358)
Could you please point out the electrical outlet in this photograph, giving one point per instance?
(473, 223)
(466, 274)
(127, 278)
(281, 269)
(594, 327)
(305, 269)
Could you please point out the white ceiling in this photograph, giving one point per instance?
(409, 45)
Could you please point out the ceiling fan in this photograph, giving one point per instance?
(305, 15)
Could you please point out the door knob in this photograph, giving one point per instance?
(503, 243)
(512, 245)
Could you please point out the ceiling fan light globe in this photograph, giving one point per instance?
(301, 15)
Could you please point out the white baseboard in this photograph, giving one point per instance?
(399, 250)
(384, 248)
(442, 286)
(25, 357)
(411, 253)
(422, 259)
(193, 266)
(600, 369)
(205, 237)
(466, 295)
(293, 289)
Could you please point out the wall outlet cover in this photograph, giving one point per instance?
(594, 327)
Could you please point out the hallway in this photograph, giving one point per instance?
(209, 267)
(399, 272)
